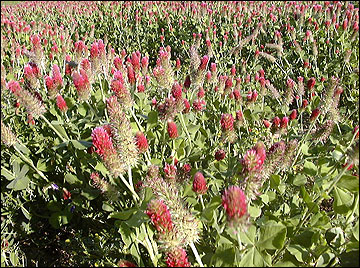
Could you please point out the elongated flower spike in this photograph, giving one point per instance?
(7, 136)
(32, 104)
(199, 183)
(235, 205)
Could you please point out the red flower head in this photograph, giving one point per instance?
(61, 103)
(177, 258)
(178, 64)
(227, 122)
(204, 62)
(315, 113)
(125, 263)
(141, 142)
(311, 83)
(187, 82)
(266, 123)
(172, 129)
(170, 172)
(276, 121)
(260, 151)
(284, 122)
(102, 141)
(159, 215)
(199, 104)
(201, 92)
(293, 115)
(176, 91)
(220, 155)
(305, 103)
(186, 105)
(234, 203)
(199, 183)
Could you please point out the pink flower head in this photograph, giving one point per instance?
(176, 91)
(261, 151)
(252, 161)
(204, 62)
(159, 215)
(199, 183)
(141, 142)
(82, 84)
(284, 122)
(276, 121)
(178, 64)
(199, 105)
(102, 141)
(234, 203)
(177, 258)
(266, 123)
(227, 122)
(125, 263)
(61, 103)
(170, 172)
(228, 83)
(186, 106)
(293, 114)
(201, 92)
(172, 129)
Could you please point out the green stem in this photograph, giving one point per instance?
(31, 164)
(103, 97)
(134, 194)
(356, 202)
(303, 140)
(182, 121)
(93, 111)
(202, 202)
(53, 128)
(239, 239)
(197, 257)
(136, 120)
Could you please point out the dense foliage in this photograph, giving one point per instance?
(180, 134)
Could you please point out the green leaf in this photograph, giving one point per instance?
(90, 193)
(272, 235)
(22, 148)
(72, 179)
(252, 258)
(21, 181)
(123, 215)
(349, 259)
(100, 167)
(53, 206)
(224, 256)
(325, 259)
(82, 110)
(249, 236)
(349, 182)
(55, 220)
(152, 118)
(137, 219)
(342, 201)
(41, 165)
(81, 145)
(356, 231)
(310, 168)
(7, 174)
(209, 210)
(274, 181)
(300, 253)
(305, 149)
(335, 237)
(299, 180)
(107, 207)
(254, 211)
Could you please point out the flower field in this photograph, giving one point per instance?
(177, 134)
